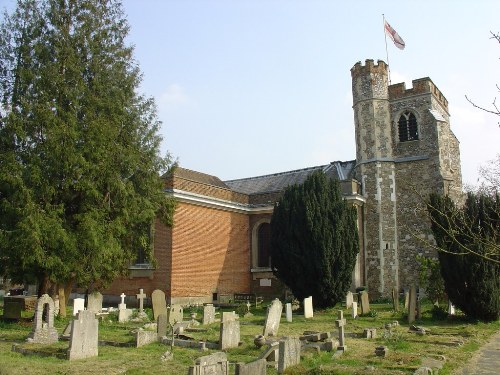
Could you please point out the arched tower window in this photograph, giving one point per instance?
(407, 127)
(264, 244)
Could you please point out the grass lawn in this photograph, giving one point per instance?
(455, 338)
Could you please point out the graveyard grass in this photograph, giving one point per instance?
(455, 338)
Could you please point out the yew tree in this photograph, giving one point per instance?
(80, 166)
(314, 240)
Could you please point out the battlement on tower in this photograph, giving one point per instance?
(420, 86)
(369, 67)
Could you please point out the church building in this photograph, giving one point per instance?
(219, 243)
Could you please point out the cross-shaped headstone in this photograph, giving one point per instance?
(122, 305)
(141, 297)
(340, 323)
(248, 306)
(123, 297)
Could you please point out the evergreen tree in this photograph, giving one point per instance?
(314, 240)
(80, 168)
(464, 236)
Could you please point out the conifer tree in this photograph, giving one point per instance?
(314, 240)
(464, 237)
(80, 167)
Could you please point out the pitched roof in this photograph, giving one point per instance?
(279, 181)
(199, 177)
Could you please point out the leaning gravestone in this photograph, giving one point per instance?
(289, 316)
(208, 314)
(84, 336)
(214, 364)
(159, 303)
(308, 307)
(349, 300)
(257, 367)
(94, 302)
(365, 303)
(175, 314)
(78, 305)
(273, 318)
(289, 353)
(43, 330)
(412, 305)
(229, 335)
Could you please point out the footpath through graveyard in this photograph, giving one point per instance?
(486, 361)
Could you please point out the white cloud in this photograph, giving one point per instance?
(173, 97)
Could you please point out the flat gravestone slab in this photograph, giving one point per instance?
(84, 336)
(208, 314)
(78, 305)
(229, 335)
(308, 308)
(257, 367)
(94, 302)
(289, 353)
(159, 303)
(273, 318)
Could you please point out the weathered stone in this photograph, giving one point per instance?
(423, 371)
(78, 305)
(143, 337)
(159, 303)
(229, 335)
(84, 336)
(365, 303)
(395, 299)
(308, 308)
(228, 316)
(273, 318)
(354, 310)
(407, 299)
(162, 325)
(141, 296)
(43, 329)
(122, 305)
(94, 302)
(412, 305)
(175, 314)
(208, 314)
(370, 333)
(289, 353)
(451, 308)
(257, 367)
(124, 315)
(214, 364)
(381, 351)
(349, 299)
(12, 310)
(340, 324)
(289, 316)
(271, 353)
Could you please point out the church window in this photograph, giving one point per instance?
(407, 127)
(264, 244)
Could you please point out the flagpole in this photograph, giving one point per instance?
(386, 51)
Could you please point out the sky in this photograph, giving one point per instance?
(246, 88)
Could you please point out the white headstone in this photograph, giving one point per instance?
(273, 318)
(451, 309)
(308, 307)
(354, 309)
(78, 305)
(349, 300)
(288, 312)
(122, 305)
(141, 297)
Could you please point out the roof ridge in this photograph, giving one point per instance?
(278, 173)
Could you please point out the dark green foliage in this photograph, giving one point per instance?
(314, 240)
(80, 168)
(430, 278)
(467, 238)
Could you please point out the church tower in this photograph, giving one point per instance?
(405, 150)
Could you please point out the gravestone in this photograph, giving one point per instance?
(229, 335)
(354, 310)
(289, 353)
(340, 323)
(124, 314)
(94, 302)
(228, 316)
(162, 326)
(159, 304)
(12, 309)
(365, 303)
(407, 299)
(451, 308)
(308, 307)
(175, 314)
(289, 312)
(56, 306)
(122, 305)
(257, 367)
(141, 296)
(395, 299)
(43, 330)
(412, 304)
(214, 364)
(84, 336)
(208, 314)
(349, 299)
(273, 318)
(78, 305)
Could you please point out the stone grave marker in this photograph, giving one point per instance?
(56, 306)
(213, 364)
(354, 310)
(257, 367)
(451, 308)
(78, 305)
(273, 318)
(289, 312)
(308, 307)
(141, 296)
(208, 314)
(12, 309)
(412, 304)
(43, 330)
(159, 303)
(228, 316)
(340, 323)
(175, 314)
(289, 353)
(94, 302)
(365, 303)
(229, 335)
(407, 299)
(84, 336)
(162, 326)
(124, 314)
(395, 299)
(349, 299)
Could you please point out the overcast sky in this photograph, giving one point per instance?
(246, 88)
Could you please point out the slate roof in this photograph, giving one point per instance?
(199, 177)
(279, 181)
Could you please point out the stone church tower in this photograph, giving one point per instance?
(405, 150)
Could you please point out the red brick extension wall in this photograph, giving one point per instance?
(210, 253)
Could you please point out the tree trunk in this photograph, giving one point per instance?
(62, 301)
